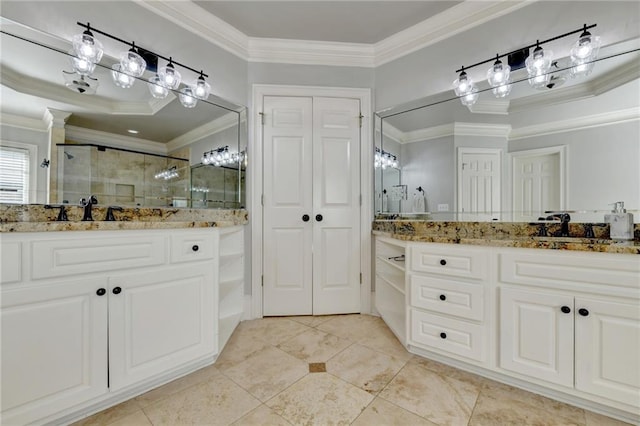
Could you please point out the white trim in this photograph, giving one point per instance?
(33, 165)
(482, 129)
(254, 180)
(211, 128)
(429, 133)
(392, 133)
(83, 135)
(22, 122)
(490, 106)
(452, 21)
(578, 123)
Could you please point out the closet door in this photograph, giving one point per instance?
(287, 180)
(336, 206)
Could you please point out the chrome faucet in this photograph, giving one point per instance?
(87, 203)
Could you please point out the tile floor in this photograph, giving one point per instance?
(361, 376)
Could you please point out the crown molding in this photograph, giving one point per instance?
(211, 128)
(83, 135)
(497, 106)
(22, 122)
(454, 20)
(435, 132)
(392, 133)
(482, 129)
(579, 123)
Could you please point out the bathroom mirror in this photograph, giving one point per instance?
(573, 146)
(128, 147)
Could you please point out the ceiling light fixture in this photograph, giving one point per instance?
(538, 65)
(222, 157)
(87, 52)
(384, 159)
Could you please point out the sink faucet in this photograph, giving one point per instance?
(87, 203)
(564, 219)
(62, 214)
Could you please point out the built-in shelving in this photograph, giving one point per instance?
(230, 282)
(391, 284)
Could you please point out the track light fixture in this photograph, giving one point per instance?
(87, 52)
(538, 65)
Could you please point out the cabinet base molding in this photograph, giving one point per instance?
(620, 414)
(111, 399)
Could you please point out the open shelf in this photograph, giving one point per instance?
(230, 282)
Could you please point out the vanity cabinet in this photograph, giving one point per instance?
(94, 317)
(390, 296)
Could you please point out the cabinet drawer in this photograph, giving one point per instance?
(450, 260)
(11, 262)
(534, 267)
(457, 337)
(190, 247)
(446, 296)
(92, 253)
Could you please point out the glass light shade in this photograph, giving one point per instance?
(169, 77)
(538, 65)
(498, 74)
(200, 88)
(586, 47)
(156, 88)
(501, 91)
(581, 68)
(463, 84)
(82, 66)
(132, 63)
(82, 84)
(87, 47)
(121, 79)
(470, 98)
(187, 99)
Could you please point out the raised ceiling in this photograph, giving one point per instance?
(334, 21)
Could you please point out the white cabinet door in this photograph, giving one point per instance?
(608, 350)
(54, 348)
(536, 335)
(160, 320)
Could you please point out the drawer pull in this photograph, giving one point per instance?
(565, 310)
(443, 262)
(117, 290)
(195, 247)
(443, 335)
(583, 312)
(101, 292)
(443, 297)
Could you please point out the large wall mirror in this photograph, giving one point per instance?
(572, 146)
(68, 136)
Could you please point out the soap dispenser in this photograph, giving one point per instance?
(620, 222)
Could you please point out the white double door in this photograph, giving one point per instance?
(311, 199)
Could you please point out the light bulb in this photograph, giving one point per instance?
(156, 88)
(87, 47)
(463, 84)
(201, 89)
(169, 76)
(132, 63)
(187, 99)
(121, 79)
(538, 65)
(498, 74)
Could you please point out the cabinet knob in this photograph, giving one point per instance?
(443, 297)
(319, 217)
(584, 312)
(116, 290)
(195, 247)
(443, 262)
(305, 218)
(565, 310)
(101, 292)
(443, 335)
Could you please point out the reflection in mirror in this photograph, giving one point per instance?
(121, 145)
(572, 146)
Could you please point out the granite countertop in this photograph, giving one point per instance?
(507, 234)
(37, 218)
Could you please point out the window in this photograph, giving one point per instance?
(14, 175)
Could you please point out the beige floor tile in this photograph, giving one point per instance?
(384, 413)
(491, 411)
(363, 367)
(312, 320)
(351, 327)
(553, 408)
(380, 338)
(314, 345)
(136, 419)
(448, 371)
(177, 385)
(595, 419)
(240, 346)
(320, 399)
(429, 395)
(111, 415)
(271, 330)
(217, 401)
(262, 416)
(268, 372)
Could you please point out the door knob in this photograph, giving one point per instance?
(117, 290)
(319, 217)
(305, 218)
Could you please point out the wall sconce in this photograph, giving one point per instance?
(384, 159)
(538, 65)
(222, 157)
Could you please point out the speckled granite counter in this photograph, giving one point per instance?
(35, 218)
(507, 234)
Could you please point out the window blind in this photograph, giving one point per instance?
(14, 175)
